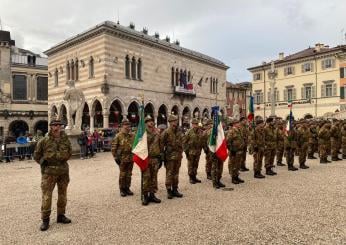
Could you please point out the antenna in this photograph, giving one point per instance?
(118, 21)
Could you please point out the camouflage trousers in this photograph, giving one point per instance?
(208, 163)
(312, 148)
(289, 154)
(192, 164)
(269, 156)
(279, 154)
(243, 158)
(303, 153)
(234, 163)
(323, 150)
(258, 159)
(216, 169)
(48, 183)
(150, 176)
(334, 145)
(125, 174)
(172, 173)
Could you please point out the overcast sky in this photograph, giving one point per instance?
(241, 33)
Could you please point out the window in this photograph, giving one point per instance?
(276, 95)
(172, 77)
(42, 88)
(19, 87)
(177, 77)
(56, 78)
(68, 72)
(72, 74)
(289, 71)
(91, 67)
(139, 69)
(342, 92)
(307, 93)
(258, 97)
(211, 85)
(342, 72)
(257, 76)
(76, 70)
(189, 76)
(127, 67)
(307, 67)
(328, 63)
(328, 89)
(133, 68)
(289, 93)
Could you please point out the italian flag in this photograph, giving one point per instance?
(251, 115)
(217, 141)
(140, 145)
(289, 104)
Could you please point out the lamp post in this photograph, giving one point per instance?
(272, 75)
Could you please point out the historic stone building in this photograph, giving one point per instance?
(23, 89)
(238, 94)
(313, 79)
(115, 66)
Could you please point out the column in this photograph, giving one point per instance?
(105, 119)
(91, 122)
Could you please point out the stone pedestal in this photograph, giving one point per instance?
(73, 137)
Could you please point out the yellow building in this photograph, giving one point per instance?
(313, 79)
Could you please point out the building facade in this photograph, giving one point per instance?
(313, 79)
(238, 94)
(117, 66)
(23, 89)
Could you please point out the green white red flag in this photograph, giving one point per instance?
(140, 144)
(217, 141)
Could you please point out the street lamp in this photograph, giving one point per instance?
(272, 75)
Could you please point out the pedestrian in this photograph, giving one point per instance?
(82, 142)
(121, 151)
(52, 153)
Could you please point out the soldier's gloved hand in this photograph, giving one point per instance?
(160, 164)
(117, 160)
(255, 149)
(233, 153)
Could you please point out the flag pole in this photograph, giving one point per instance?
(142, 194)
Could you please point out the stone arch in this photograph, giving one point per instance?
(175, 110)
(196, 113)
(162, 115)
(85, 116)
(308, 116)
(186, 116)
(41, 125)
(116, 112)
(18, 128)
(132, 113)
(205, 113)
(63, 112)
(149, 109)
(96, 110)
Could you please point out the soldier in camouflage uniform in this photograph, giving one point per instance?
(236, 145)
(290, 148)
(313, 140)
(52, 153)
(343, 139)
(324, 141)
(207, 126)
(122, 153)
(335, 139)
(150, 174)
(280, 143)
(270, 146)
(193, 146)
(257, 146)
(245, 132)
(303, 135)
(172, 147)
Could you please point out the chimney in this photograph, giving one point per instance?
(281, 56)
(318, 47)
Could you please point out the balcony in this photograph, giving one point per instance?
(189, 90)
(28, 60)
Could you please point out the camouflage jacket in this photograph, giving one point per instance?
(245, 132)
(205, 141)
(122, 146)
(280, 138)
(154, 147)
(269, 137)
(192, 142)
(324, 136)
(303, 136)
(235, 140)
(172, 144)
(52, 154)
(335, 133)
(291, 139)
(343, 135)
(257, 139)
(313, 136)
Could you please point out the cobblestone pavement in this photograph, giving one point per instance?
(302, 207)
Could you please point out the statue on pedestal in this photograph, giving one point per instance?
(236, 112)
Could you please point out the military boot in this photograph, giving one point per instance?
(176, 193)
(197, 180)
(221, 184)
(270, 172)
(169, 193)
(280, 164)
(323, 161)
(258, 175)
(192, 180)
(145, 199)
(343, 156)
(292, 168)
(153, 198)
(240, 180)
(63, 219)
(216, 185)
(128, 191)
(45, 224)
(336, 159)
(123, 192)
(209, 176)
(235, 181)
(303, 166)
(244, 169)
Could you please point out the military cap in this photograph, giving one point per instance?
(172, 118)
(125, 121)
(194, 121)
(162, 126)
(269, 120)
(56, 122)
(259, 121)
(148, 118)
(242, 119)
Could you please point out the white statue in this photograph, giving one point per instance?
(236, 113)
(76, 100)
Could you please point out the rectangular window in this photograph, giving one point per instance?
(19, 87)
(290, 94)
(258, 97)
(307, 67)
(42, 88)
(328, 63)
(289, 71)
(342, 72)
(257, 76)
(308, 93)
(329, 90)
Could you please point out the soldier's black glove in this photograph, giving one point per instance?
(255, 149)
(233, 153)
(117, 160)
(160, 164)
(187, 154)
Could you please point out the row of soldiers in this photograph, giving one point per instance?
(264, 140)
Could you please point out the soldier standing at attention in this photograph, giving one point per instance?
(235, 144)
(172, 147)
(270, 146)
(52, 153)
(290, 148)
(257, 145)
(343, 139)
(121, 151)
(205, 138)
(150, 174)
(280, 142)
(193, 147)
(245, 132)
(313, 140)
(324, 141)
(302, 143)
(335, 139)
